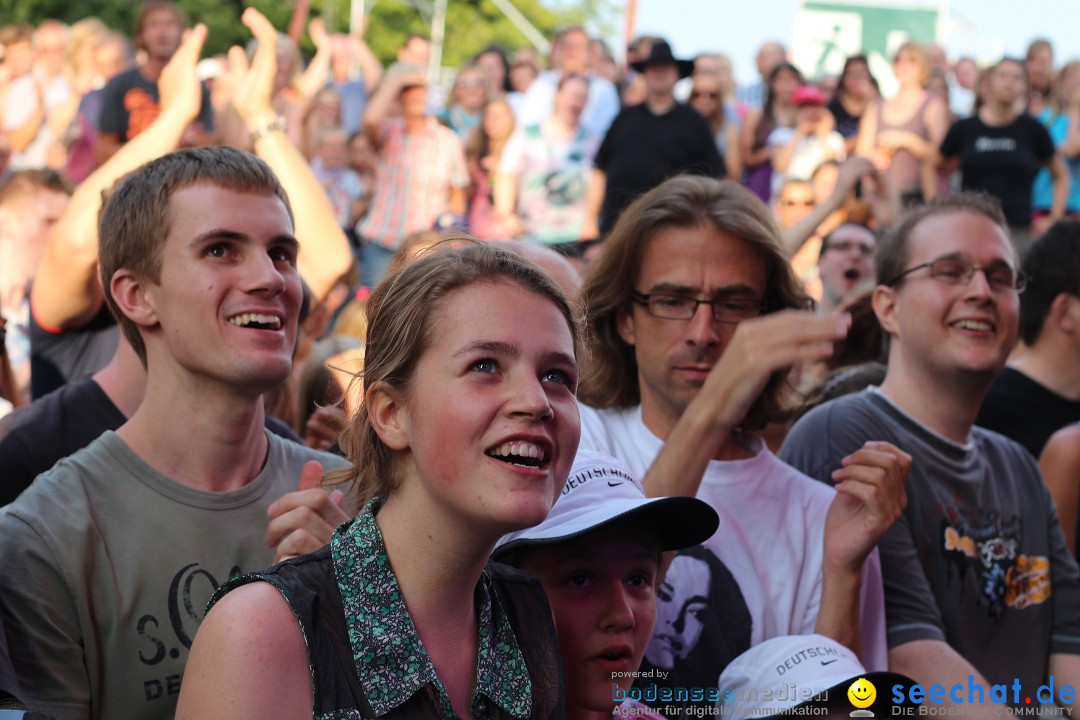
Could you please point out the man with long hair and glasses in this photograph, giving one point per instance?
(696, 319)
(980, 587)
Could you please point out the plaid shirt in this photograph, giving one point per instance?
(416, 173)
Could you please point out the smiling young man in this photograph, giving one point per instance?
(978, 580)
(107, 561)
(696, 318)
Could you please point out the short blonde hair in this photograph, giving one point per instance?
(134, 222)
(918, 52)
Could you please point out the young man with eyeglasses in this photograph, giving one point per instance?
(844, 264)
(980, 588)
(696, 319)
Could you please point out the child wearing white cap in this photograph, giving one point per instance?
(598, 556)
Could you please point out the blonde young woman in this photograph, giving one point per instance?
(468, 431)
(707, 97)
(466, 108)
(901, 135)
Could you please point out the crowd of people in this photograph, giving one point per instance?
(328, 392)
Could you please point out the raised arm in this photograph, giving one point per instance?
(758, 348)
(869, 499)
(733, 152)
(866, 141)
(21, 136)
(325, 255)
(782, 155)
(594, 203)
(851, 170)
(378, 108)
(752, 156)
(1070, 148)
(66, 292)
(1059, 174)
(314, 76)
(370, 67)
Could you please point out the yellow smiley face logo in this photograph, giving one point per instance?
(862, 693)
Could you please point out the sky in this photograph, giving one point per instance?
(985, 29)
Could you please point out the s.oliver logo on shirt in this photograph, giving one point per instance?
(171, 637)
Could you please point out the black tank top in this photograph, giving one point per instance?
(310, 587)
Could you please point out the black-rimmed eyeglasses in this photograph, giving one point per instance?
(681, 307)
(954, 271)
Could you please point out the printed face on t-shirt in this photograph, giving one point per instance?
(683, 603)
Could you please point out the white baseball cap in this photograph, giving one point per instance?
(786, 672)
(602, 492)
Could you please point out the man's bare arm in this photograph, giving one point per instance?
(1065, 669)
(758, 348)
(325, 255)
(934, 662)
(66, 292)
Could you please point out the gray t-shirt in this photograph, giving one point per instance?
(106, 567)
(977, 559)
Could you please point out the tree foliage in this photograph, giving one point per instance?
(471, 25)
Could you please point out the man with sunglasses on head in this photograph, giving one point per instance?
(696, 319)
(980, 588)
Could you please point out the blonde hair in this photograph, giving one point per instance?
(921, 56)
(1058, 100)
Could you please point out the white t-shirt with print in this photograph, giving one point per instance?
(771, 534)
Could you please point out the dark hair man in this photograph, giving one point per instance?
(1038, 392)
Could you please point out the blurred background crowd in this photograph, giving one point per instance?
(517, 144)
